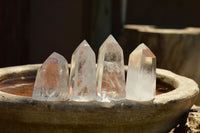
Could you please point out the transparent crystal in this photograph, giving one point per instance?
(110, 71)
(51, 82)
(141, 76)
(83, 73)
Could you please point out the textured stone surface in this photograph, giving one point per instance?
(83, 73)
(51, 82)
(141, 75)
(190, 122)
(110, 71)
(193, 120)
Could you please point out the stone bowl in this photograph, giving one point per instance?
(22, 114)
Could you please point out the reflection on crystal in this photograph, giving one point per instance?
(52, 80)
(83, 73)
(110, 71)
(141, 76)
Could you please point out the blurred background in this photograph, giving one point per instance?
(30, 30)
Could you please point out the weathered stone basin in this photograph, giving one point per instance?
(22, 114)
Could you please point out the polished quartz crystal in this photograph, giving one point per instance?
(52, 80)
(110, 71)
(141, 76)
(83, 73)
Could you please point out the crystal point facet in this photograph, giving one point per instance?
(110, 71)
(51, 82)
(141, 75)
(83, 73)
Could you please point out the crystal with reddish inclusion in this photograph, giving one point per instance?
(52, 80)
(83, 73)
(141, 76)
(110, 71)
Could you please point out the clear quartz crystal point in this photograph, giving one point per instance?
(51, 82)
(83, 73)
(110, 71)
(141, 76)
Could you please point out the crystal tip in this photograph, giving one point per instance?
(84, 43)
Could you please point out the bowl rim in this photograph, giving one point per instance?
(185, 88)
(158, 30)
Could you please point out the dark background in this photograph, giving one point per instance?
(30, 30)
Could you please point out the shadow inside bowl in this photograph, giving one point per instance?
(23, 86)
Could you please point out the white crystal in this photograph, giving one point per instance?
(110, 71)
(83, 73)
(52, 80)
(141, 76)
